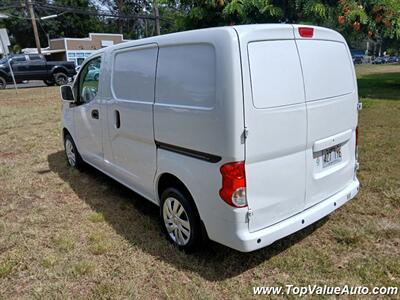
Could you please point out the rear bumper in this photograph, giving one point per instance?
(242, 240)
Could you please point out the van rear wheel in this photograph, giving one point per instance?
(179, 219)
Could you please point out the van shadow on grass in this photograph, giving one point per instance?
(380, 86)
(136, 219)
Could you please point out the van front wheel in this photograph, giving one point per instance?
(179, 219)
(73, 157)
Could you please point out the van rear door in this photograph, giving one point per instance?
(331, 101)
(275, 117)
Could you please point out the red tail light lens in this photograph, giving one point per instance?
(306, 32)
(233, 189)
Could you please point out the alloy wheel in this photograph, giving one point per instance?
(70, 151)
(176, 221)
(61, 79)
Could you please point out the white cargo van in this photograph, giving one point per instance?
(244, 134)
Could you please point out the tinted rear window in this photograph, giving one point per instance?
(327, 69)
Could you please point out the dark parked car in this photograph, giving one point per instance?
(393, 59)
(379, 60)
(358, 59)
(35, 67)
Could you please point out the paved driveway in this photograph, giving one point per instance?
(29, 84)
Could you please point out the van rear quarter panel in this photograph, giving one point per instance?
(275, 116)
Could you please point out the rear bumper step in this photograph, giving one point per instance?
(246, 241)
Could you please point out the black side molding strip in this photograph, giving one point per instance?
(189, 152)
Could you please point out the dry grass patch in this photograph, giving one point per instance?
(82, 268)
(6, 266)
(49, 261)
(96, 217)
(99, 243)
(377, 69)
(64, 243)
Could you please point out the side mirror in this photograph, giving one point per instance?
(67, 93)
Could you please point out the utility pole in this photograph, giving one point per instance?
(156, 17)
(34, 27)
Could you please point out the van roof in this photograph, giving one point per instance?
(282, 31)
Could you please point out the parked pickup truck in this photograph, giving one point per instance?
(35, 67)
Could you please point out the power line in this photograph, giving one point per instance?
(97, 13)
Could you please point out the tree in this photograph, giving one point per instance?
(68, 24)
(126, 12)
(357, 20)
(376, 19)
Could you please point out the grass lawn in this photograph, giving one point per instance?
(66, 234)
(379, 81)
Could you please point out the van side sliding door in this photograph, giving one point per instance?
(131, 147)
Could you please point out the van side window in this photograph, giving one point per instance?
(134, 74)
(89, 80)
(186, 75)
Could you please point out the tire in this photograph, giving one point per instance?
(49, 82)
(60, 78)
(181, 227)
(3, 83)
(74, 159)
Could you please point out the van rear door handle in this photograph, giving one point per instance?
(117, 119)
(95, 114)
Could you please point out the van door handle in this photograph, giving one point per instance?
(95, 114)
(117, 119)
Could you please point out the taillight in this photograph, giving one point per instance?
(233, 189)
(306, 32)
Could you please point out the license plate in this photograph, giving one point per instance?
(331, 156)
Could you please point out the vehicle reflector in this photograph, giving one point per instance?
(357, 144)
(233, 189)
(357, 136)
(306, 32)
